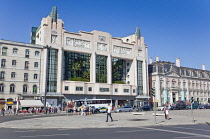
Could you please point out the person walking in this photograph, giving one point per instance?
(166, 111)
(2, 111)
(109, 113)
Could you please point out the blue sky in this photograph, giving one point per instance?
(172, 28)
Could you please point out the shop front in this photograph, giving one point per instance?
(2, 103)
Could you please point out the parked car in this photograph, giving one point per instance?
(124, 109)
(102, 109)
(195, 106)
(147, 108)
(180, 105)
(160, 108)
(205, 106)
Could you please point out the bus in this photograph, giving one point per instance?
(93, 102)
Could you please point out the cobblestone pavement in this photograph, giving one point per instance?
(177, 117)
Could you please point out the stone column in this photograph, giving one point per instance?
(109, 69)
(93, 68)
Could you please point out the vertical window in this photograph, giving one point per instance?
(12, 74)
(36, 53)
(35, 76)
(3, 63)
(66, 88)
(101, 69)
(12, 88)
(13, 62)
(27, 53)
(118, 70)
(2, 73)
(36, 64)
(89, 88)
(34, 89)
(26, 64)
(14, 50)
(1, 87)
(25, 76)
(25, 88)
(134, 90)
(4, 51)
(115, 90)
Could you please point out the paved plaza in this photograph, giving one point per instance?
(177, 117)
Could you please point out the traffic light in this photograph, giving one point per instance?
(192, 99)
(153, 92)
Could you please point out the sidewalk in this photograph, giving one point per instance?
(178, 117)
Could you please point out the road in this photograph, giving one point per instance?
(198, 131)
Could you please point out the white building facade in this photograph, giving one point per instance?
(91, 65)
(20, 72)
(173, 82)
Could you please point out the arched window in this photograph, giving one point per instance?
(1, 87)
(34, 89)
(15, 50)
(25, 88)
(37, 53)
(4, 51)
(12, 88)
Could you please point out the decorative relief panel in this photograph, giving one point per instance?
(122, 50)
(102, 46)
(139, 53)
(70, 41)
(77, 43)
(53, 38)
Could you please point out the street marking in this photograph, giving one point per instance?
(63, 129)
(25, 131)
(45, 135)
(191, 128)
(133, 131)
(186, 133)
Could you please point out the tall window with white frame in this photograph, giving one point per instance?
(3, 63)
(139, 78)
(12, 88)
(2, 74)
(4, 51)
(15, 50)
(25, 88)
(34, 89)
(1, 88)
(27, 53)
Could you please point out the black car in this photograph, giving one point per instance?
(180, 105)
(146, 108)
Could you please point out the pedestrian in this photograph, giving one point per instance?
(83, 110)
(109, 113)
(166, 111)
(15, 111)
(2, 111)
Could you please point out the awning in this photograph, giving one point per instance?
(31, 103)
(139, 97)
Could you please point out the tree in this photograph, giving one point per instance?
(76, 67)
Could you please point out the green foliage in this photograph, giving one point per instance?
(118, 82)
(79, 79)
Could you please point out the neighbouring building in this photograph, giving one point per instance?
(20, 72)
(172, 82)
(92, 65)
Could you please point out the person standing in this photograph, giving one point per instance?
(2, 111)
(109, 113)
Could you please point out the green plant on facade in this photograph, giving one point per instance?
(76, 67)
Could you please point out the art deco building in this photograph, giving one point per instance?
(91, 64)
(173, 82)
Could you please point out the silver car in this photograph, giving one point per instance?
(124, 109)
